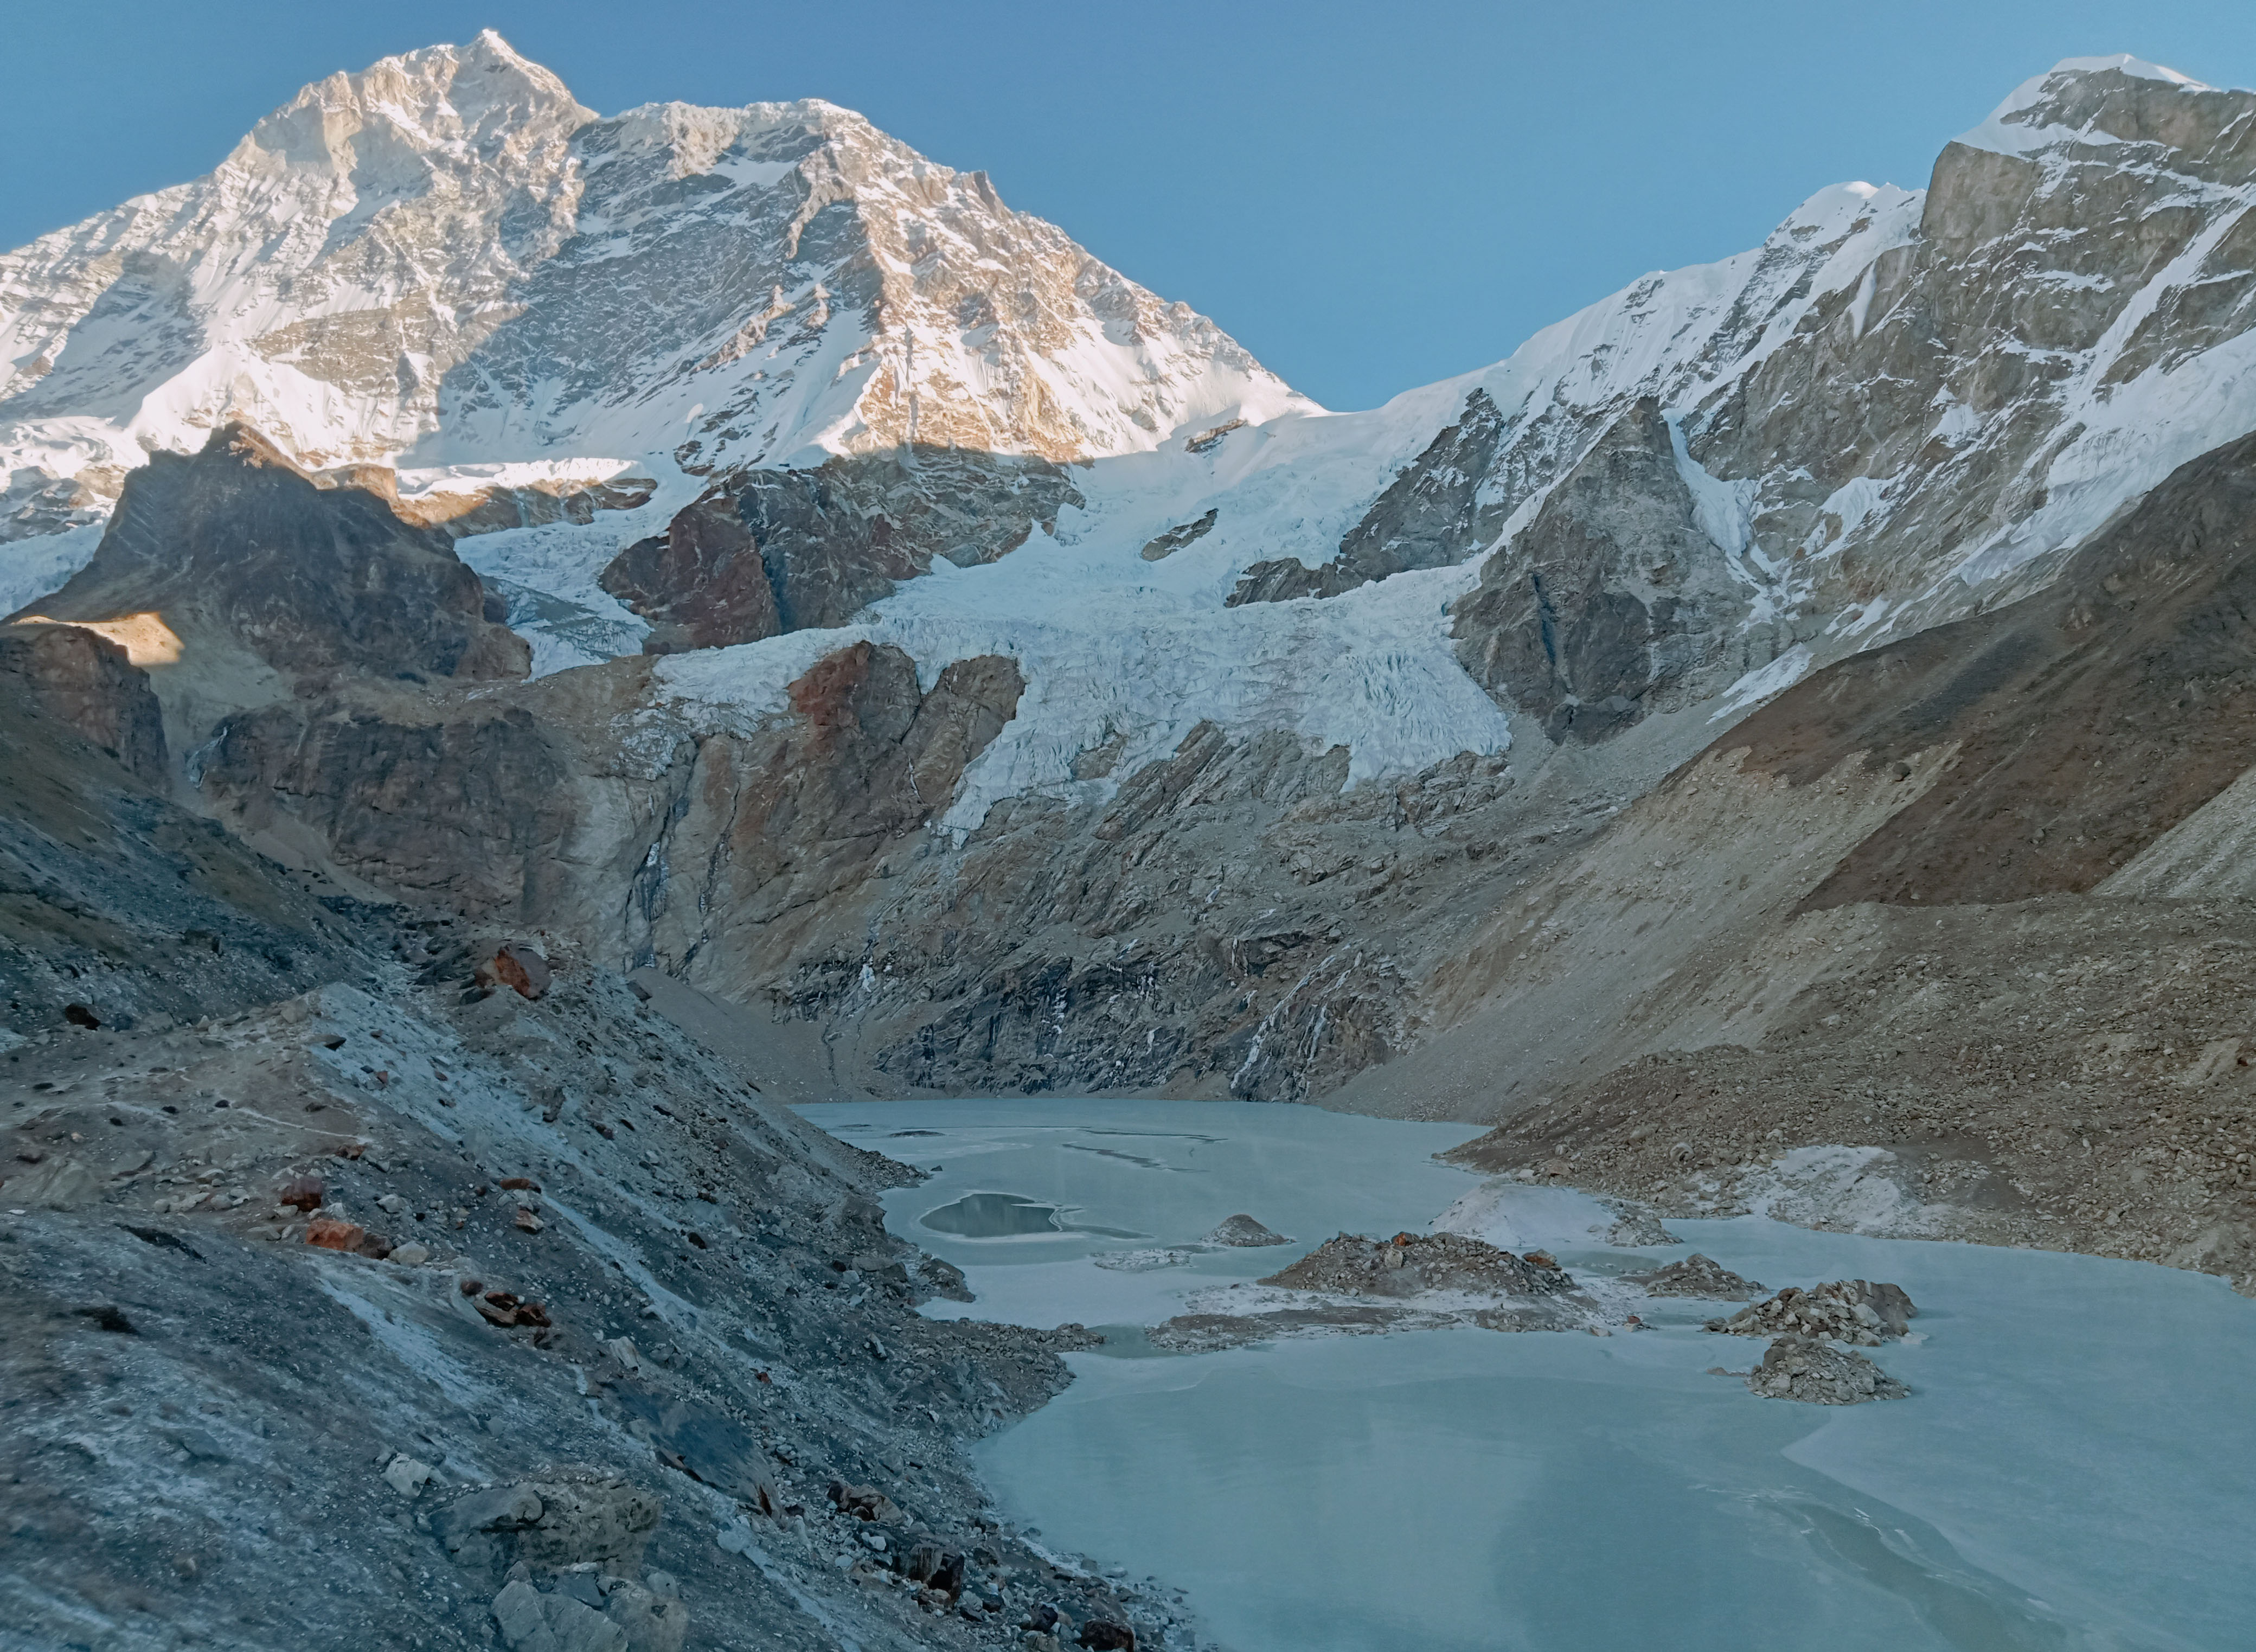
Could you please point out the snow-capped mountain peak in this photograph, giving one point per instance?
(445, 258)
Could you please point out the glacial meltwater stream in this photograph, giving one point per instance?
(2076, 1467)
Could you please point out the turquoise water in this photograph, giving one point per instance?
(2073, 1469)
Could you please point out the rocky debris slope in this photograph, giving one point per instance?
(1852, 1311)
(1694, 1276)
(1958, 1006)
(362, 1309)
(569, 1322)
(1815, 1373)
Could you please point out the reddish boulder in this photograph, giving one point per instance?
(334, 1236)
(515, 965)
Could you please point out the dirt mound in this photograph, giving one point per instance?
(1816, 1373)
(1848, 1309)
(1695, 1276)
(1410, 1263)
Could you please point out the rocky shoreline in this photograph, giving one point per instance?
(488, 1312)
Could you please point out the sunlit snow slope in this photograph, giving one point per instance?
(445, 259)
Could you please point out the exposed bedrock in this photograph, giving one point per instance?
(1432, 514)
(87, 682)
(701, 583)
(770, 551)
(239, 581)
(237, 540)
(1914, 418)
(1612, 602)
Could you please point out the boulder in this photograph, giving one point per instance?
(651, 1617)
(516, 966)
(406, 1475)
(332, 1235)
(1853, 1310)
(551, 1524)
(936, 1565)
(496, 1510)
(1815, 1373)
(56, 1185)
(1695, 1276)
(863, 1502)
(606, 1519)
(532, 1622)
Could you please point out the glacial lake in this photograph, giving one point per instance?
(2075, 1469)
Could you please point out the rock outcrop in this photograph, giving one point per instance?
(1611, 604)
(239, 581)
(701, 584)
(1852, 1311)
(784, 550)
(1437, 510)
(83, 680)
(1814, 1372)
(1410, 1264)
(1694, 1276)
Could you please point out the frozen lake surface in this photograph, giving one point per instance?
(2075, 1469)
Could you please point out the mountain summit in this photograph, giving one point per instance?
(445, 258)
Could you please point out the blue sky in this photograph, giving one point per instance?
(1369, 197)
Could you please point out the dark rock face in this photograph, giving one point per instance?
(449, 803)
(1176, 538)
(86, 681)
(492, 803)
(1430, 516)
(785, 550)
(768, 826)
(237, 542)
(701, 583)
(1608, 599)
(113, 899)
